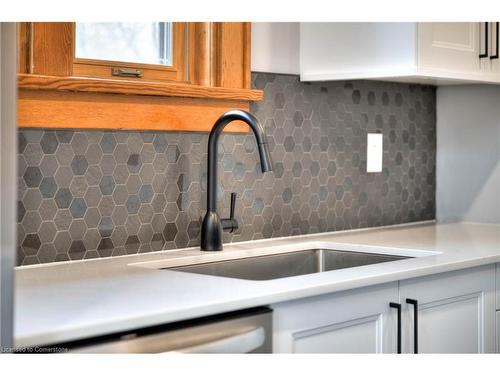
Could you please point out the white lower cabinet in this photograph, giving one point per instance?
(498, 305)
(498, 331)
(498, 285)
(455, 312)
(355, 321)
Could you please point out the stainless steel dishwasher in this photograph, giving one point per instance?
(248, 331)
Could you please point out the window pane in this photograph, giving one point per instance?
(146, 43)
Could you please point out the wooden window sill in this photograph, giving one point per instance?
(129, 87)
(92, 103)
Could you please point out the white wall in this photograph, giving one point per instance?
(8, 144)
(275, 47)
(468, 154)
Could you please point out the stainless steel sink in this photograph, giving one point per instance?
(297, 263)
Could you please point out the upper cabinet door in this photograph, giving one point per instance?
(452, 46)
(429, 53)
(456, 311)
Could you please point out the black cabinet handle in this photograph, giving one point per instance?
(414, 302)
(495, 56)
(486, 42)
(397, 306)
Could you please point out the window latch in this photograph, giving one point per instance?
(126, 72)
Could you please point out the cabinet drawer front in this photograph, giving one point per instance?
(455, 311)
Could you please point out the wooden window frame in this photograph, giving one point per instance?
(211, 74)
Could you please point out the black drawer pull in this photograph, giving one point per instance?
(495, 56)
(486, 42)
(397, 306)
(414, 302)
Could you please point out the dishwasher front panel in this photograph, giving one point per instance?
(248, 331)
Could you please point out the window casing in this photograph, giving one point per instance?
(210, 74)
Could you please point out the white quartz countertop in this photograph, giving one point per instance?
(66, 301)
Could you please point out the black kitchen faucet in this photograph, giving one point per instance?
(212, 227)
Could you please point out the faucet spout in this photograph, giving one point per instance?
(266, 164)
(211, 230)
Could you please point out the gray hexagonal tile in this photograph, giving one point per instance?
(64, 136)
(105, 227)
(63, 219)
(79, 143)
(63, 197)
(32, 176)
(78, 207)
(32, 199)
(108, 143)
(107, 185)
(48, 187)
(31, 222)
(146, 193)
(79, 165)
(47, 231)
(62, 242)
(48, 165)
(49, 142)
(133, 203)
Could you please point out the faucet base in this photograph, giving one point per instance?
(211, 232)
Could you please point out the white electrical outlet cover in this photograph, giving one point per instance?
(374, 152)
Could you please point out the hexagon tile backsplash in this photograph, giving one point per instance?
(85, 194)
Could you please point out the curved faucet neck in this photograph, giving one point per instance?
(213, 142)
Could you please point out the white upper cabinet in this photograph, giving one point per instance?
(275, 47)
(330, 51)
(438, 53)
(450, 47)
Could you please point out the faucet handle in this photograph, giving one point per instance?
(233, 205)
(230, 224)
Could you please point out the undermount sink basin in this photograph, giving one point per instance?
(267, 267)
